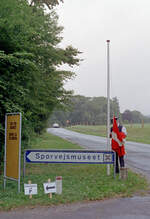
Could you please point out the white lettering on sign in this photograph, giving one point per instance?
(30, 189)
(69, 156)
(49, 187)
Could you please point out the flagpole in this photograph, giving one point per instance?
(108, 104)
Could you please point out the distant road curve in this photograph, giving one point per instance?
(138, 154)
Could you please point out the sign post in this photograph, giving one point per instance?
(108, 103)
(49, 188)
(68, 156)
(12, 148)
(30, 189)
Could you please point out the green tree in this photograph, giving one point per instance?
(88, 110)
(115, 109)
(127, 116)
(30, 57)
(134, 117)
(48, 3)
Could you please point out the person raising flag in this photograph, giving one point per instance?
(118, 135)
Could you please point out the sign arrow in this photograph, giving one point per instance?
(69, 156)
(51, 187)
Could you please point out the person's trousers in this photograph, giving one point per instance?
(119, 160)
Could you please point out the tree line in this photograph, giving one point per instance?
(31, 78)
(93, 111)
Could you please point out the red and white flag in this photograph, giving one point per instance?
(116, 135)
(118, 139)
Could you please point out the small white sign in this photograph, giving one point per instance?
(49, 187)
(30, 189)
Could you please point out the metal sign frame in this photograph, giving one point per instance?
(19, 151)
(64, 156)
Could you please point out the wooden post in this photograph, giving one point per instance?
(50, 194)
(123, 173)
(30, 196)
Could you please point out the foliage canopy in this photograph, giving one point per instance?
(93, 111)
(49, 3)
(31, 81)
(87, 111)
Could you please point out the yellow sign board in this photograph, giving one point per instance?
(12, 146)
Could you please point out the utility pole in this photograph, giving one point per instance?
(108, 104)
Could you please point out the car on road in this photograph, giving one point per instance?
(55, 125)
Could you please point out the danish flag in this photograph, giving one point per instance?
(116, 135)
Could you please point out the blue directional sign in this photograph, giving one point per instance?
(69, 156)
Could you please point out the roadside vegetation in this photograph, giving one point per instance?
(32, 82)
(32, 75)
(81, 182)
(93, 111)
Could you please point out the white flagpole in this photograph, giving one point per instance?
(108, 104)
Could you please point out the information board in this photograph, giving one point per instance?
(12, 146)
(69, 156)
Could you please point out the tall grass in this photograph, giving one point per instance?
(80, 181)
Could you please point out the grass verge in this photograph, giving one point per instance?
(81, 182)
(135, 132)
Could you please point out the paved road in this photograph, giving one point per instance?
(138, 154)
(124, 208)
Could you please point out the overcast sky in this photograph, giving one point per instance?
(126, 23)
